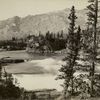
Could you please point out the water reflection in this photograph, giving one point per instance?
(42, 81)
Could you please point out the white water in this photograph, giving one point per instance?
(35, 82)
(42, 81)
(49, 64)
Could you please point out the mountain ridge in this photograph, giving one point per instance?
(41, 23)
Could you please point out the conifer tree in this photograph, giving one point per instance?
(47, 35)
(73, 46)
(58, 35)
(92, 22)
(0, 71)
(61, 35)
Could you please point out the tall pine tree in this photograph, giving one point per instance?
(92, 23)
(73, 46)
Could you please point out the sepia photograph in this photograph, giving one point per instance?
(49, 49)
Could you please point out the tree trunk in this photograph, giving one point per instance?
(94, 47)
(72, 86)
(92, 79)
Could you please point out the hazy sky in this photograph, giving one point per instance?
(10, 8)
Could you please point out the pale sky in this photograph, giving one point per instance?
(10, 8)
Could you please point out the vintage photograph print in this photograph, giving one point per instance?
(49, 49)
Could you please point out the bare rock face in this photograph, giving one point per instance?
(53, 22)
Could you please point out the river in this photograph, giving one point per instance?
(39, 72)
(38, 82)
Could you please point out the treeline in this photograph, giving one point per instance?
(47, 43)
(56, 41)
(14, 44)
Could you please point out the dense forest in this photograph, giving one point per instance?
(53, 41)
(49, 43)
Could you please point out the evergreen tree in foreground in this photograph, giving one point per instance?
(8, 88)
(92, 23)
(73, 46)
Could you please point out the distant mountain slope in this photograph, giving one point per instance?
(53, 22)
